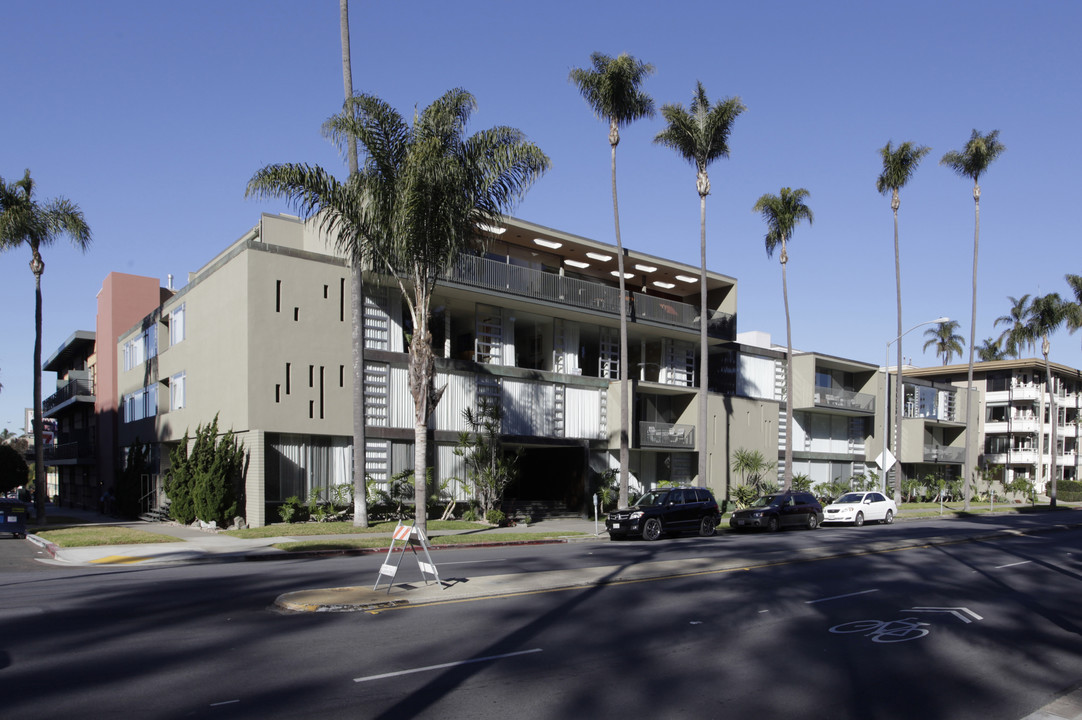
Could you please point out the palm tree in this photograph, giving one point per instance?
(898, 167)
(991, 350)
(25, 221)
(972, 162)
(945, 340)
(356, 296)
(1047, 313)
(612, 90)
(1013, 322)
(782, 213)
(701, 135)
(415, 206)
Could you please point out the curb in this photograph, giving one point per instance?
(51, 548)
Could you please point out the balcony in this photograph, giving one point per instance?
(666, 435)
(74, 388)
(944, 454)
(534, 284)
(844, 399)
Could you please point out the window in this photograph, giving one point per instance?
(176, 325)
(141, 404)
(141, 348)
(176, 391)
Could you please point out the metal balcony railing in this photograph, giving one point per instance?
(549, 287)
(944, 454)
(844, 399)
(74, 388)
(655, 434)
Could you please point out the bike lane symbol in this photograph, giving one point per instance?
(885, 631)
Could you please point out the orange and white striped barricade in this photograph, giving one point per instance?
(410, 536)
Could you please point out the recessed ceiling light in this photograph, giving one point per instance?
(599, 256)
(686, 278)
(665, 285)
(627, 275)
(548, 243)
(577, 263)
(645, 268)
(493, 230)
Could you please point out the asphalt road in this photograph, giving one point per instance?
(203, 641)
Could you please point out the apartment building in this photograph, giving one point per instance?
(260, 337)
(1015, 418)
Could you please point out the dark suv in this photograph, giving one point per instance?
(773, 512)
(666, 510)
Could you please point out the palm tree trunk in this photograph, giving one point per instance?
(624, 385)
(41, 486)
(704, 375)
(898, 368)
(356, 297)
(967, 471)
(1052, 421)
(788, 374)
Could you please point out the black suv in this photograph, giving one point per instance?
(666, 510)
(773, 512)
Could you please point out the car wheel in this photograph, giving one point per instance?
(889, 517)
(858, 520)
(652, 529)
(708, 526)
(772, 524)
(813, 521)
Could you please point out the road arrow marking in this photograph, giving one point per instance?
(955, 611)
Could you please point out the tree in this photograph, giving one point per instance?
(422, 198)
(752, 465)
(25, 221)
(1013, 323)
(204, 481)
(782, 213)
(360, 495)
(1048, 313)
(971, 162)
(945, 340)
(991, 350)
(899, 164)
(128, 487)
(701, 135)
(489, 468)
(14, 471)
(612, 90)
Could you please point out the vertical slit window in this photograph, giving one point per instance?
(278, 393)
(296, 314)
(342, 300)
(325, 288)
(311, 376)
(288, 369)
(341, 376)
(321, 369)
(311, 408)
(277, 296)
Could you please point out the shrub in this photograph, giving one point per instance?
(495, 517)
(290, 510)
(205, 482)
(14, 472)
(128, 487)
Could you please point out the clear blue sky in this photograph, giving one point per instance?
(152, 116)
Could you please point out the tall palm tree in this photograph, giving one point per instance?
(611, 87)
(944, 338)
(356, 295)
(782, 213)
(25, 221)
(971, 162)
(701, 135)
(1013, 322)
(990, 350)
(899, 164)
(1048, 313)
(415, 206)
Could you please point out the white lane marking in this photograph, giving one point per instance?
(472, 562)
(955, 611)
(839, 597)
(1023, 562)
(445, 665)
(224, 702)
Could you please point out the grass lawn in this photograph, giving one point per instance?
(349, 543)
(344, 528)
(92, 535)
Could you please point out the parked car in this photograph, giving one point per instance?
(861, 507)
(773, 512)
(666, 511)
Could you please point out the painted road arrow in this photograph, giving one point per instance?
(955, 611)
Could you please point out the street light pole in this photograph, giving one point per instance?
(885, 467)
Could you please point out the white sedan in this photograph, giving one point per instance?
(858, 507)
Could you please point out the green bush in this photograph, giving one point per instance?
(205, 482)
(495, 517)
(128, 486)
(14, 472)
(290, 510)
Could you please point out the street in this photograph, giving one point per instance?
(984, 629)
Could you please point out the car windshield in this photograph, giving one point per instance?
(850, 498)
(650, 499)
(766, 501)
